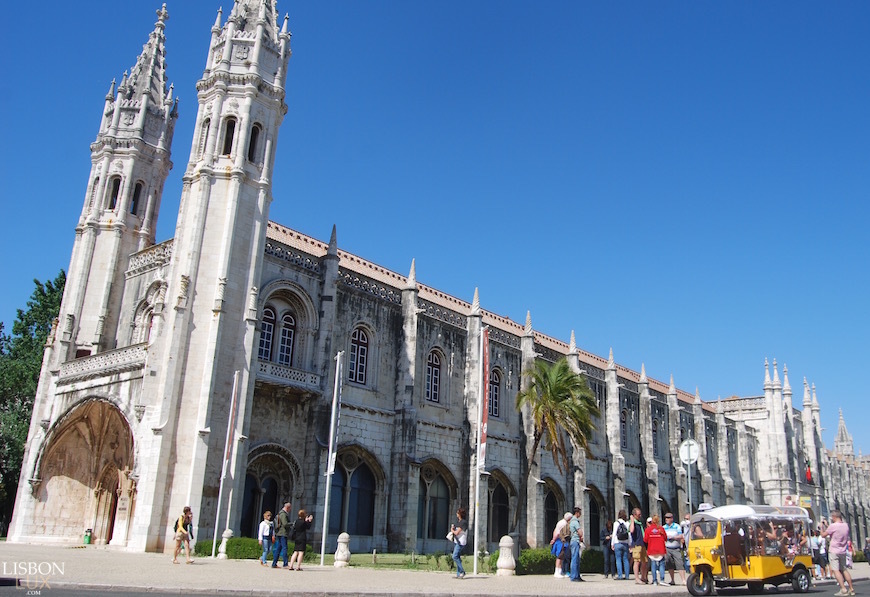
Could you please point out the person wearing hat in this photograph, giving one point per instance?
(576, 541)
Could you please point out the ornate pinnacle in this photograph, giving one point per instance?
(528, 328)
(643, 378)
(572, 346)
(412, 275)
(611, 364)
(475, 302)
(672, 389)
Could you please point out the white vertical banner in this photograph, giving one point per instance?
(334, 419)
(228, 452)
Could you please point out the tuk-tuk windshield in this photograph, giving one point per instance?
(704, 529)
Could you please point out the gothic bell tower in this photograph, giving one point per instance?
(129, 165)
(207, 331)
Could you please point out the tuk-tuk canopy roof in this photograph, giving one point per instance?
(736, 511)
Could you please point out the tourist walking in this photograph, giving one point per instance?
(654, 537)
(607, 548)
(282, 529)
(619, 542)
(459, 535)
(265, 536)
(838, 531)
(183, 534)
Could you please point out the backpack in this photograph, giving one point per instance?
(277, 525)
(622, 532)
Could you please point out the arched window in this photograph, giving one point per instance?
(433, 377)
(494, 393)
(252, 143)
(115, 191)
(655, 437)
(137, 196)
(359, 348)
(229, 134)
(499, 511)
(551, 511)
(203, 135)
(623, 429)
(352, 502)
(94, 193)
(336, 501)
(285, 345)
(433, 508)
(267, 330)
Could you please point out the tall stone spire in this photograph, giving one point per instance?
(527, 331)
(129, 165)
(843, 442)
(807, 402)
(776, 382)
(572, 345)
(767, 383)
(643, 378)
(475, 302)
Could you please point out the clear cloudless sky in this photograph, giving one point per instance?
(685, 182)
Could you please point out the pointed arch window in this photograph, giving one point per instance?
(352, 503)
(203, 135)
(137, 197)
(285, 344)
(94, 193)
(359, 349)
(253, 142)
(494, 393)
(433, 507)
(499, 512)
(229, 135)
(433, 377)
(267, 331)
(114, 192)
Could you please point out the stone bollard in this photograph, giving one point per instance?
(342, 553)
(222, 550)
(506, 564)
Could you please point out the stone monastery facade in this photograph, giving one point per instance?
(136, 391)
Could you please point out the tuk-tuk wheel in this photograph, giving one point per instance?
(700, 584)
(755, 588)
(800, 580)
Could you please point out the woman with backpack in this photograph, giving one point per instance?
(619, 541)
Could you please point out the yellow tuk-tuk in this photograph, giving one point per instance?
(732, 546)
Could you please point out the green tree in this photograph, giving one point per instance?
(20, 364)
(561, 406)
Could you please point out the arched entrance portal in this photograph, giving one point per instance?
(273, 477)
(86, 454)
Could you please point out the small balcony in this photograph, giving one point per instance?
(104, 364)
(282, 376)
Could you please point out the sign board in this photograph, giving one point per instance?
(689, 451)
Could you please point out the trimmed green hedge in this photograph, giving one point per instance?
(243, 548)
(541, 561)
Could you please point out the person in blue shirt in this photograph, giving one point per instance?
(576, 541)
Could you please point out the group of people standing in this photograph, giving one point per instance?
(651, 545)
(274, 535)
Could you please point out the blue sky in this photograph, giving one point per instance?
(686, 182)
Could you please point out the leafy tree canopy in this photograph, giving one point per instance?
(561, 405)
(20, 363)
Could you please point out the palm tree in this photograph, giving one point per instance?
(559, 400)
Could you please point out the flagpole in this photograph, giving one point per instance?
(477, 464)
(330, 457)
(230, 424)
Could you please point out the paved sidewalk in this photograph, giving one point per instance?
(105, 568)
